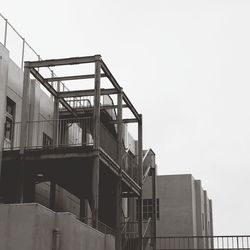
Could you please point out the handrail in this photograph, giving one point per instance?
(146, 229)
(102, 227)
(145, 156)
(125, 224)
(146, 174)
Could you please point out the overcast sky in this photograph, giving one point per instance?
(184, 64)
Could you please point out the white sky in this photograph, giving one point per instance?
(184, 64)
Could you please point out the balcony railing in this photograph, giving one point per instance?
(100, 226)
(50, 134)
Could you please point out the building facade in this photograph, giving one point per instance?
(183, 206)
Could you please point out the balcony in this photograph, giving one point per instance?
(74, 134)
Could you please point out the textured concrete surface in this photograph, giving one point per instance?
(32, 227)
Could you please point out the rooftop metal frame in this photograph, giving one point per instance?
(34, 66)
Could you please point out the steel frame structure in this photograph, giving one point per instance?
(101, 70)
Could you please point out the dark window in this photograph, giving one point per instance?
(147, 207)
(10, 107)
(8, 133)
(9, 122)
(47, 141)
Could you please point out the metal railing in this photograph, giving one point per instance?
(102, 227)
(203, 242)
(8, 27)
(53, 133)
(19, 54)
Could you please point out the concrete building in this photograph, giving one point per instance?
(69, 150)
(183, 207)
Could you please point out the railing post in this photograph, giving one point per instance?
(5, 32)
(95, 170)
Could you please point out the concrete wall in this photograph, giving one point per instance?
(31, 227)
(4, 55)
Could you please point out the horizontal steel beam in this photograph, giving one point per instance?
(62, 61)
(87, 92)
(52, 91)
(130, 120)
(80, 110)
(69, 78)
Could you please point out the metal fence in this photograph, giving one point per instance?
(11, 38)
(204, 242)
(21, 51)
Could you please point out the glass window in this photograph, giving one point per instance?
(148, 209)
(10, 107)
(9, 122)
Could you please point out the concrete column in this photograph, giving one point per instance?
(96, 162)
(52, 195)
(3, 92)
(84, 210)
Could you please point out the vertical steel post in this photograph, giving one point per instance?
(5, 33)
(56, 115)
(23, 133)
(95, 172)
(25, 108)
(118, 241)
(154, 197)
(140, 164)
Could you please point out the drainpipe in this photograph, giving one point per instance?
(56, 239)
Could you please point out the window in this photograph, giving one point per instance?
(8, 133)
(9, 123)
(147, 207)
(47, 141)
